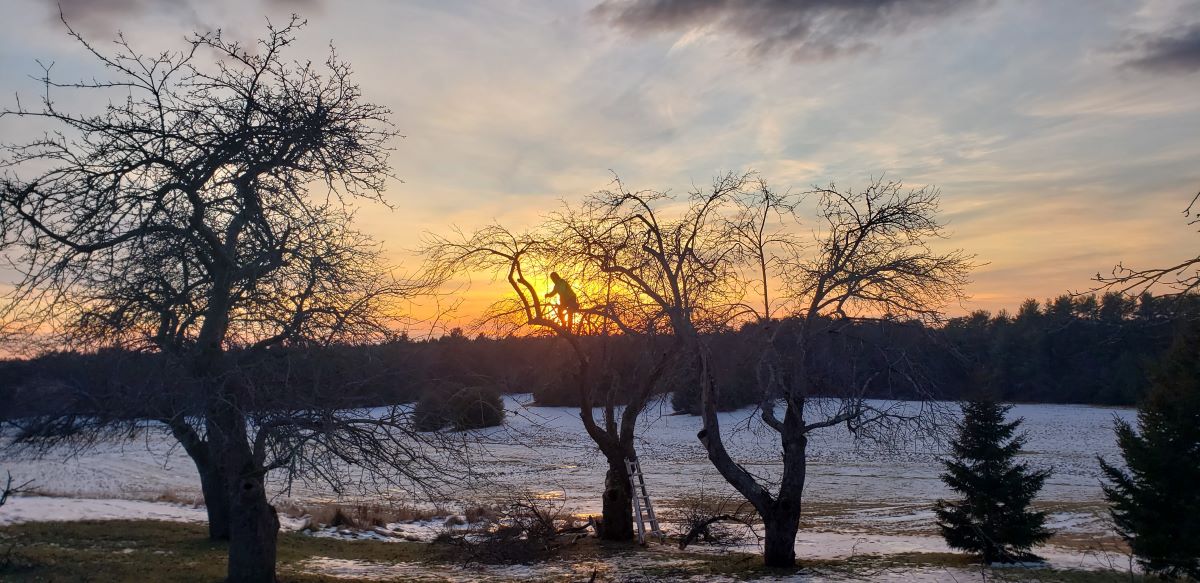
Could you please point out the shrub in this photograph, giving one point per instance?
(523, 529)
(475, 408)
(479, 513)
(715, 520)
(430, 412)
(564, 393)
(458, 407)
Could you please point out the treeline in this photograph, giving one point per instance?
(1071, 349)
(1085, 349)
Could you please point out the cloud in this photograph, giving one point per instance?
(1177, 51)
(105, 17)
(108, 16)
(811, 30)
(300, 6)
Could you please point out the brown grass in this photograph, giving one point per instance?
(138, 551)
(177, 497)
(363, 515)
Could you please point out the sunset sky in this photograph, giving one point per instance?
(1064, 135)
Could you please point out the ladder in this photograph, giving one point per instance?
(643, 509)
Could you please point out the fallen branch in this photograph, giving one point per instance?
(701, 528)
(10, 490)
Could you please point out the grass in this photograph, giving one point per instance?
(748, 567)
(360, 515)
(129, 551)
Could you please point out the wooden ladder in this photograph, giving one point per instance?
(643, 509)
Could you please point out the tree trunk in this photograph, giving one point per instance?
(212, 479)
(253, 523)
(253, 532)
(216, 501)
(782, 515)
(781, 524)
(618, 503)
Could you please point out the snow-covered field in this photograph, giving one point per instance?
(862, 499)
(545, 449)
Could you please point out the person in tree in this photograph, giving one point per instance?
(568, 302)
(1156, 498)
(993, 519)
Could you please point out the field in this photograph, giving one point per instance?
(866, 503)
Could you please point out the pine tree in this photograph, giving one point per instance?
(1156, 500)
(993, 519)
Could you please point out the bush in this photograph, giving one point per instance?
(716, 520)
(523, 529)
(430, 412)
(476, 408)
(461, 408)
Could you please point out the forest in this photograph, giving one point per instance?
(1082, 349)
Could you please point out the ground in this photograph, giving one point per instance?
(867, 507)
(129, 551)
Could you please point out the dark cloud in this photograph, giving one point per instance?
(299, 6)
(108, 16)
(94, 14)
(805, 30)
(1177, 51)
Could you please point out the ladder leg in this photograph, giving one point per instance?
(641, 528)
(641, 501)
(632, 469)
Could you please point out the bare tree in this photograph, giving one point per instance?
(604, 309)
(1178, 280)
(204, 215)
(869, 262)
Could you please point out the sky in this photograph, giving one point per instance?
(1064, 135)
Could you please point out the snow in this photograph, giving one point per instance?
(559, 455)
(545, 449)
(862, 500)
(20, 509)
(53, 509)
(629, 566)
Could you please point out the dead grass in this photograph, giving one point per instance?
(363, 515)
(137, 551)
(477, 514)
(177, 497)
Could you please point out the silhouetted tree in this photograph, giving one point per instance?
(869, 264)
(565, 247)
(1155, 498)
(994, 518)
(695, 261)
(204, 216)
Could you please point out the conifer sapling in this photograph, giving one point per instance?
(994, 518)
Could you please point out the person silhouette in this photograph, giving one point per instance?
(568, 302)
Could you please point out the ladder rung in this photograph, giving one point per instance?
(642, 506)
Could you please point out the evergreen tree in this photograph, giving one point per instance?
(993, 519)
(1156, 501)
